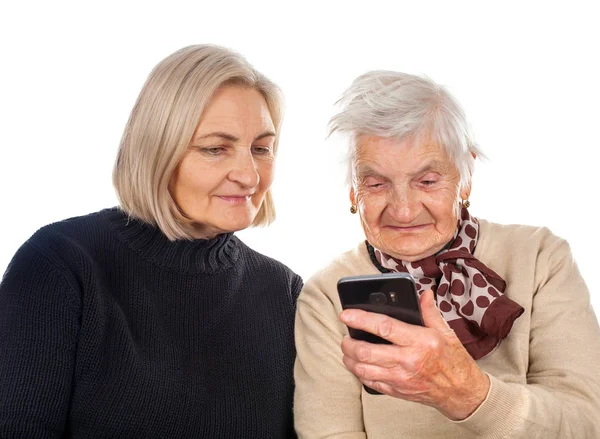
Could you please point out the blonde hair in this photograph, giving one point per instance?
(162, 123)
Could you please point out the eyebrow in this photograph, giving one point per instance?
(363, 170)
(429, 166)
(227, 136)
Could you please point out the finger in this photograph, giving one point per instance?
(382, 388)
(431, 314)
(377, 354)
(365, 371)
(395, 331)
(387, 389)
(409, 359)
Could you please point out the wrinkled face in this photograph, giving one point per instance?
(407, 195)
(222, 179)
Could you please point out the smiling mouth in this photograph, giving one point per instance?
(408, 228)
(235, 199)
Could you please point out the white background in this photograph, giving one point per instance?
(526, 73)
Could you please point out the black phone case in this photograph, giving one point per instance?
(392, 294)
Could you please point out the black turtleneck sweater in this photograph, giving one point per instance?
(110, 330)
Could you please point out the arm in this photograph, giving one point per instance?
(327, 400)
(296, 284)
(562, 396)
(39, 321)
(295, 287)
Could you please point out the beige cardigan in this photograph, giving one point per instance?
(545, 376)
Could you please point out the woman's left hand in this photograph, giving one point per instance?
(428, 365)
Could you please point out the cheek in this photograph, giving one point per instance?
(443, 211)
(371, 207)
(193, 179)
(266, 172)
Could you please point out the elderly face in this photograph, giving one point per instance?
(407, 195)
(221, 182)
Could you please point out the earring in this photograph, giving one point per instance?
(353, 209)
(466, 203)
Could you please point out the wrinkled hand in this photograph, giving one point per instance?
(428, 365)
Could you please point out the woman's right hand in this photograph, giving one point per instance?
(427, 365)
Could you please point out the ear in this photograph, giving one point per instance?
(465, 191)
(352, 196)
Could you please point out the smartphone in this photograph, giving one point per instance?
(392, 294)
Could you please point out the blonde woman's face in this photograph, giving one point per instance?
(221, 181)
(407, 196)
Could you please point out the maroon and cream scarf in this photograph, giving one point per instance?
(468, 294)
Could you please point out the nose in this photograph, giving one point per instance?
(244, 170)
(405, 205)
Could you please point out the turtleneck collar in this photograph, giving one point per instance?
(192, 256)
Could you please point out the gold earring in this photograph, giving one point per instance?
(353, 209)
(466, 203)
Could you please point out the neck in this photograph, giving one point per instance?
(193, 256)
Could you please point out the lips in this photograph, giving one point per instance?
(408, 228)
(235, 199)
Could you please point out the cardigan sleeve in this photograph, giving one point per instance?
(39, 324)
(561, 398)
(327, 399)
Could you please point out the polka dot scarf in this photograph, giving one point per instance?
(469, 295)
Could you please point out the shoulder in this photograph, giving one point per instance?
(64, 246)
(73, 228)
(55, 253)
(268, 268)
(71, 235)
(513, 238)
(260, 261)
(517, 251)
(319, 297)
(353, 262)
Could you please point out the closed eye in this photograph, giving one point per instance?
(429, 179)
(373, 182)
(261, 150)
(213, 150)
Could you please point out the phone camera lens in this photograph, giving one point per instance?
(377, 298)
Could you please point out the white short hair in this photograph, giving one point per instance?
(399, 105)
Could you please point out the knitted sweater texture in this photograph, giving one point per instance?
(110, 330)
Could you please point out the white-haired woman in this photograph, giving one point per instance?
(153, 320)
(510, 346)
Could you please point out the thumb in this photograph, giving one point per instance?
(431, 314)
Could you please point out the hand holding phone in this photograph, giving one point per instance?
(392, 294)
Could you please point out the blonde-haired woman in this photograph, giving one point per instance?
(154, 320)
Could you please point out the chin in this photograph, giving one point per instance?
(402, 248)
(233, 222)
(412, 256)
(237, 226)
